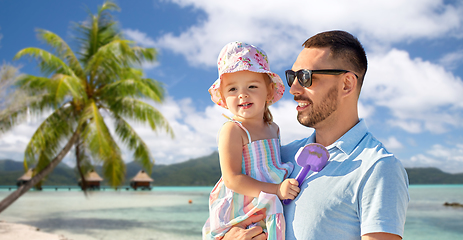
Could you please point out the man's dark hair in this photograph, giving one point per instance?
(344, 46)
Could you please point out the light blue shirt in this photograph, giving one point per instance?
(362, 189)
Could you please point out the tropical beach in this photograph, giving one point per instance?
(166, 213)
(15, 231)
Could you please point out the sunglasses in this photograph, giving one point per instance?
(304, 76)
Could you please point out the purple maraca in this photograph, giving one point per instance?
(313, 157)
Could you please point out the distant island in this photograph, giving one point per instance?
(203, 171)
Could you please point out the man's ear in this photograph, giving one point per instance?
(349, 83)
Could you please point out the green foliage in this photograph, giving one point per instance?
(81, 89)
(204, 171)
(11, 170)
(432, 176)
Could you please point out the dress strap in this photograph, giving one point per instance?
(241, 126)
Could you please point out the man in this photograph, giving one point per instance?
(362, 193)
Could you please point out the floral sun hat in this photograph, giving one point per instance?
(239, 56)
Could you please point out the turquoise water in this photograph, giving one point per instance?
(165, 213)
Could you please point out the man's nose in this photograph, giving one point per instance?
(296, 88)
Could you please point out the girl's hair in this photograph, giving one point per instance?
(268, 118)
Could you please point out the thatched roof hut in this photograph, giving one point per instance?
(141, 179)
(26, 177)
(92, 180)
(93, 176)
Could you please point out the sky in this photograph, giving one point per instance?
(411, 100)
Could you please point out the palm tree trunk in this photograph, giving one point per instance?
(83, 182)
(6, 202)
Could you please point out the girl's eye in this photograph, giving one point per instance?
(252, 86)
(232, 89)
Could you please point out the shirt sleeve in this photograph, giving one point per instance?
(383, 198)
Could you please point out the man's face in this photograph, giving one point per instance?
(319, 101)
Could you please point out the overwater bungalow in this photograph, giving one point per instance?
(92, 180)
(141, 180)
(24, 178)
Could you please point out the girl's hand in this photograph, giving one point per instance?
(288, 189)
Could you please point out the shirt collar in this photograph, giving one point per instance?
(349, 140)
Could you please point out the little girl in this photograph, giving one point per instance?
(253, 176)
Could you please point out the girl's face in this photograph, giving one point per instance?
(245, 93)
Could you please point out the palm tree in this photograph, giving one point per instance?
(81, 92)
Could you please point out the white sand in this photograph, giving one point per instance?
(15, 231)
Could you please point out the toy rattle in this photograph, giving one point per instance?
(313, 157)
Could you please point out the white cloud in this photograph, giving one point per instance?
(285, 115)
(139, 37)
(392, 143)
(448, 159)
(280, 27)
(452, 60)
(420, 95)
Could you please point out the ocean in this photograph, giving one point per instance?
(179, 212)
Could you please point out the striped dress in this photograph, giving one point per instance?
(261, 161)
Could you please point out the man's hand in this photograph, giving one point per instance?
(288, 189)
(240, 232)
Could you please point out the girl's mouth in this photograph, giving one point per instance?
(245, 105)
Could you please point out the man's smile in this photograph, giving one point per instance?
(302, 105)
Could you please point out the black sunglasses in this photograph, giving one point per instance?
(304, 76)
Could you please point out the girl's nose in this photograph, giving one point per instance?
(243, 94)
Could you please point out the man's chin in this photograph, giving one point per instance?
(304, 121)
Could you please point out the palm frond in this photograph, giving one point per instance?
(96, 133)
(101, 144)
(114, 170)
(108, 6)
(65, 85)
(23, 105)
(134, 87)
(114, 56)
(32, 84)
(46, 140)
(140, 112)
(48, 62)
(141, 153)
(54, 91)
(145, 54)
(98, 31)
(63, 50)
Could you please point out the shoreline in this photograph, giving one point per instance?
(18, 231)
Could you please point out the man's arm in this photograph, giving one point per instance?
(384, 196)
(380, 236)
(239, 231)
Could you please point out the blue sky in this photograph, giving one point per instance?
(412, 99)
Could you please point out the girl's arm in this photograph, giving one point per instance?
(230, 152)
